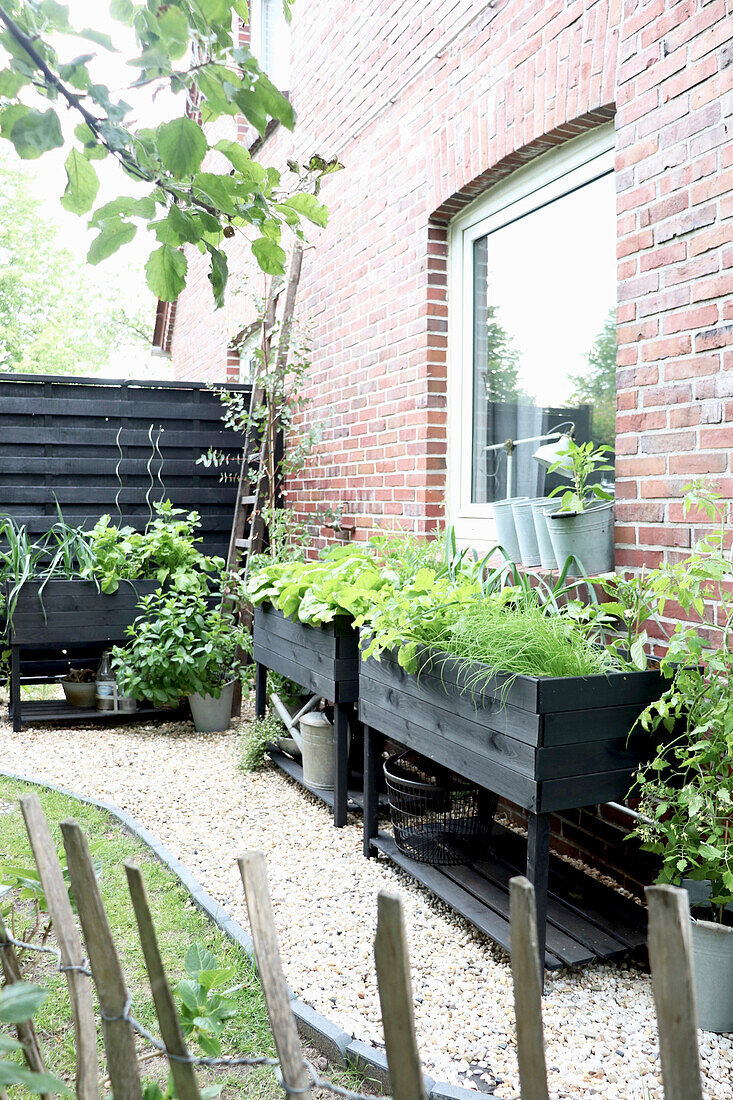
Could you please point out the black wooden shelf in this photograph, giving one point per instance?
(56, 710)
(295, 771)
(585, 919)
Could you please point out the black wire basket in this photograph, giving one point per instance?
(437, 817)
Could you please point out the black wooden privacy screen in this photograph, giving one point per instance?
(59, 441)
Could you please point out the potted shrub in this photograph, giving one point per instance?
(182, 646)
(687, 790)
(582, 528)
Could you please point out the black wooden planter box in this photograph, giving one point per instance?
(67, 626)
(547, 744)
(322, 659)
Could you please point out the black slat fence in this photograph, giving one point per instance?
(59, 441)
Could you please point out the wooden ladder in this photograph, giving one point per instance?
(254, 492)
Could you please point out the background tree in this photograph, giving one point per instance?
(597, 386)
(187, 50)
(54, 318)
(502, 362)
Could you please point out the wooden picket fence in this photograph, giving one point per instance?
(669, 950)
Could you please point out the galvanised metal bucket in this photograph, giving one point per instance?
(526, 530)
(506, 532)
(586, 537)
(212, 715)
(712, 956)
(540, 508)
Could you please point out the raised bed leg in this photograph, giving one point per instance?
(371, 789)
(538, 866)
(260, 690)
(15, 688)
(341, 748)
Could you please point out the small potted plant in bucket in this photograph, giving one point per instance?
(80, 687)
(181, 646)
(582, 527)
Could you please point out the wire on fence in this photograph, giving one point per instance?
(205, 1061)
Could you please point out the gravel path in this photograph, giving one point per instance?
(186, 788)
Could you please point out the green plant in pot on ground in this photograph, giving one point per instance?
(686, 792)
(181, 646)
(582, 527)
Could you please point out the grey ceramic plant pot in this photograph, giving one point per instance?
(212, 715)
(585, 537)
(506, 531)
(79, 695)
(712, 955)
(526, 529)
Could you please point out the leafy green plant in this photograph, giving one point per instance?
(255, 738)
(18, 1003)
(179, 645)
(188, 48)
(585, 460)
(687, 790)
(341, 582)
(205, 998)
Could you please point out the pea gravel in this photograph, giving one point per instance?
(188, 790)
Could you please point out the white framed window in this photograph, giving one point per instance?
(532, 296)
(249, 355)
(270, 37)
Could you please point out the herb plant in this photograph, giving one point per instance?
(585, 461)
(205, 997)
(179, 645)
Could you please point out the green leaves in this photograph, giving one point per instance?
(181, 145)
(166, 272)
(21, 1001)
(35, 132)
(269, 255)
(309, 206)
(82, 186)
(114, 234)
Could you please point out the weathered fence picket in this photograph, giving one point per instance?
(669, 951)
(119, 1040)
(184, 1075)
(295, 1073)
(395, 998)
(528, 981)
(69, 943)
(670, 958)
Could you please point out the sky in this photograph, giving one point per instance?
(125, 269)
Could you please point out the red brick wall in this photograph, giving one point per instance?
(518, 79)
(522, 77)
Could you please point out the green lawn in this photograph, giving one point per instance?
(178, 924)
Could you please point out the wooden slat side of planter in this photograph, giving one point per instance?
(483, 769)
(488, 713)
(341, 631)
(574, 791)
(75, 612)
(341, 691)
(335, 668)
(574, 693)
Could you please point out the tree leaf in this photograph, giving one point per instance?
(184, 227)
(309, 206)
(114, 234)
(21, 1001)
(99, 37)
(269, 255)
(121, 10)
(237, 155)
(173, 27)
(181, 145)
(127, 206)
(11, 81)
(215, 11)
(35, 132)
(199, 958)
(82, 186)
(218, 275)
(166, 272)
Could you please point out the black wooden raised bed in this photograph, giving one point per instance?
(66, 626)
(547, 745)
(325, 661)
